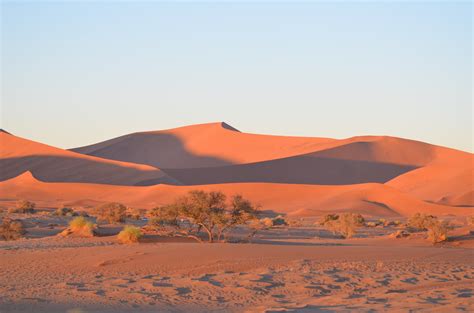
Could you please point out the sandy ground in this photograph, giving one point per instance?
(285, 270)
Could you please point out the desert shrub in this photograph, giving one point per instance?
(23, 206)
(129, 234)
(371, 224)
(438, 230)
(112, 212)
(11, 229)
(470, 220)
(345, 225)
(328, 218)
(134, 213)
(296, 222)
(267, 222)
(83, 214)
(279, 221)
(79, 226)
(257, 225)
(65, 212)
(421, 221)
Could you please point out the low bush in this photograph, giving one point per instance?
(80, 227)
(112, 213)
(257, 225)
(23, 206)
(470, 220)
(11, 229)
(328, 218)
(130, 234)
(438, 231)
(346, 224)
(279, 220)
(65, 212)
(421, 221)
(135, 214)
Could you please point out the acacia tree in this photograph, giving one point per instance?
(208, 211)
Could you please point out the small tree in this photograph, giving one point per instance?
(11, 229)
(200, 210)
(112, 212)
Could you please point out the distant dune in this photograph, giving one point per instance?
(18, 155)
(374, 175)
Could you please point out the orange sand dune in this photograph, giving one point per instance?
(18, 155)
(448, 179)
(297, 200)
(218, 144)
(203, 145)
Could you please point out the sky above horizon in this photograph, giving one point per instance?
(76, 73)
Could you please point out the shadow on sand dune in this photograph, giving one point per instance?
(304, 169)
(155, 149)
(69, 169)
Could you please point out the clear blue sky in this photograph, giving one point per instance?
(78, 73)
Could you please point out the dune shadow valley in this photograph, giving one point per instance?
(207, 218)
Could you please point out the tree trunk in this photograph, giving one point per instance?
(209, 233)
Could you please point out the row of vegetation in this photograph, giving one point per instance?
(211, 216)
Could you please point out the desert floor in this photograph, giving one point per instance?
(287, 269)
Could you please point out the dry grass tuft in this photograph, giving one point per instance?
(79, 227)
(129, 234)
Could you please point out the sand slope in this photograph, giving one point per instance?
(218, 144)
(296, 200)
(448, 179)
(18, 155)
(217, 153)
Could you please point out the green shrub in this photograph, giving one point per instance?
(129, 234)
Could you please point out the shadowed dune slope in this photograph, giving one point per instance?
(304, 169)
(18, 155)
(218, 144)
(296, 200)
(204, 145)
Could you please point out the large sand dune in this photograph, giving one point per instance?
(295, 175)
(297, 200)
(18, 155)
